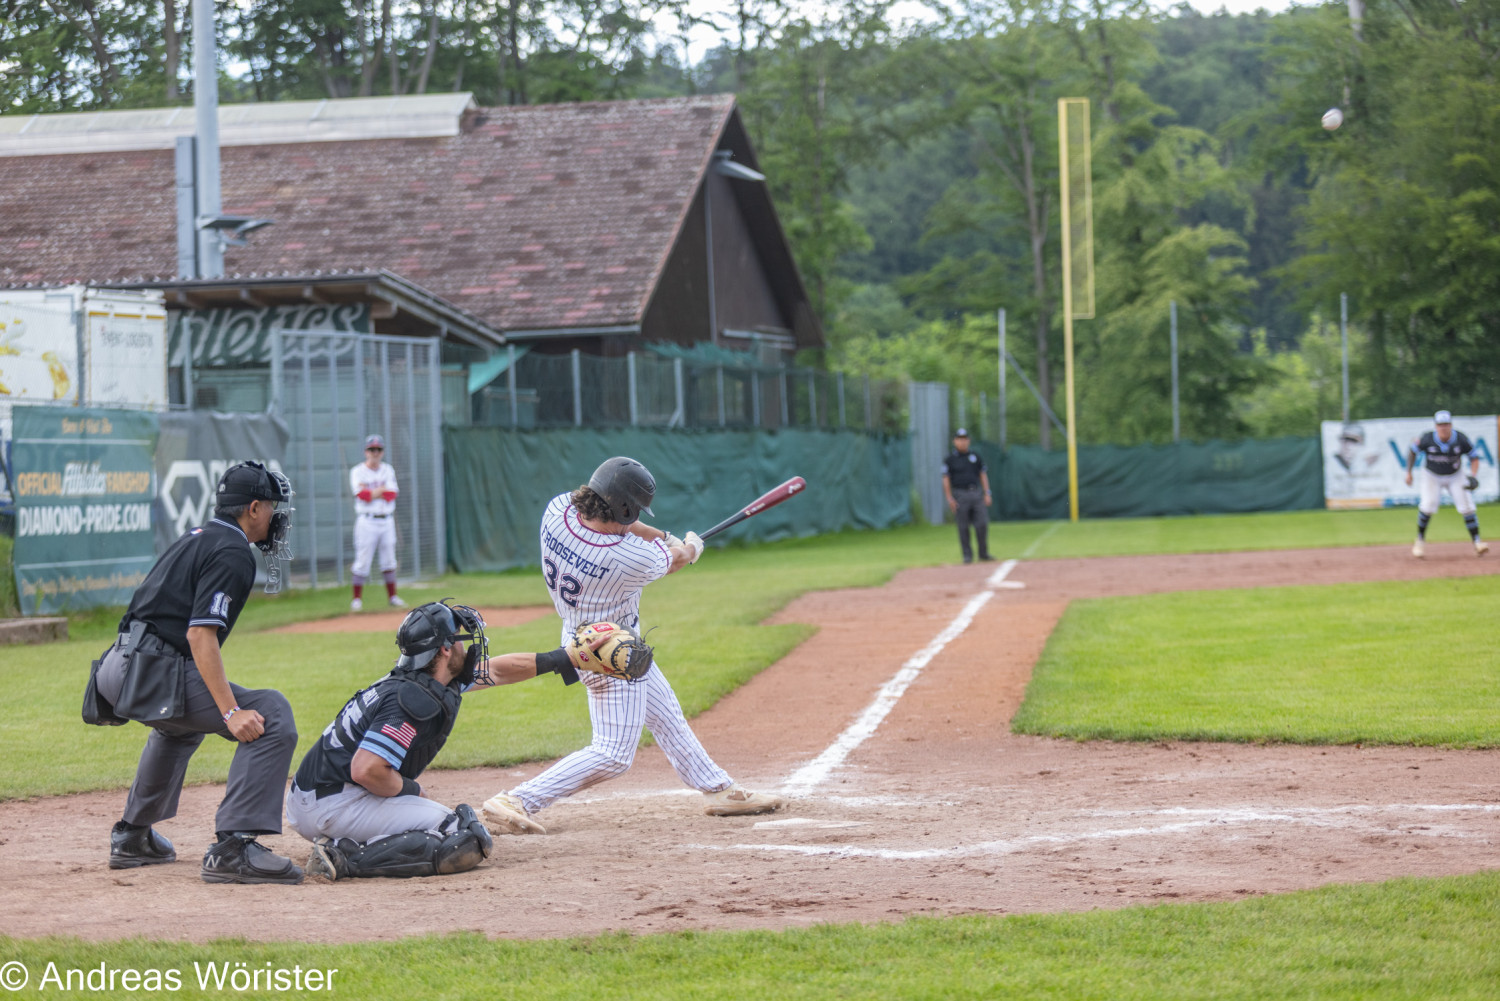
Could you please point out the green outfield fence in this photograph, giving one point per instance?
(1143, 481)
(499, 480)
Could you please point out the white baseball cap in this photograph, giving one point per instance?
(1442, 417)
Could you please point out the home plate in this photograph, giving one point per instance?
(821, 825)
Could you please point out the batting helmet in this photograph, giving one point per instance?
(626, 486)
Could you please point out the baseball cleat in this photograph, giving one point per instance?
(396, 601)
(1481, 547)
(327, 862)
(241, 860)
(356, 605)
(132, 847)
(1418, 549)
(505, 814)
(737, 802)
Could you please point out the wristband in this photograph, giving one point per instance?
(409, 787)
(557, 662)
(231, 713)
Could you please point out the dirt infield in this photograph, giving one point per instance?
(941, 811)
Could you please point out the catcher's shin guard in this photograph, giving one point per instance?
(420, 853)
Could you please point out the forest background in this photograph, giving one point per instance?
(914, 165)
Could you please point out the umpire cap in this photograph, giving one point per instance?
(251, 481)
(626, 486)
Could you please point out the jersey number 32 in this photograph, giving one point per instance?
(567, 586)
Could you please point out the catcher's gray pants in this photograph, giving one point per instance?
(971, 511)
(257, 775)
(618, 710)
(360, 815)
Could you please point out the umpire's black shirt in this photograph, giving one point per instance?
(202, 579)
(962, 469)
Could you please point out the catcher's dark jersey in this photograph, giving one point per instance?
(962, 469)
(1443, 458)
(375, 719)
(202, 579)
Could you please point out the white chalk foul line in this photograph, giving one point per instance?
(809, 775)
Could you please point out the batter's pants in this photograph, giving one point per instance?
(373, 534)
(257, 775)
(971, 511)
(1432, 492)
(360, 815)
(618, 710)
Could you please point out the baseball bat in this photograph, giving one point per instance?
(770, 498)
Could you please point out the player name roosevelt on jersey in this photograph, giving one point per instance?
(592, 576)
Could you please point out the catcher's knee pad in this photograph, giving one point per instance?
(468, 845)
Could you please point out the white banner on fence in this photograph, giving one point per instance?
(1364, 462)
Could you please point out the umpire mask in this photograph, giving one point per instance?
(252, 481)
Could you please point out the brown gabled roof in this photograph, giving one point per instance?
(530, 218)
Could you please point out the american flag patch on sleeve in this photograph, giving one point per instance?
(402, 734)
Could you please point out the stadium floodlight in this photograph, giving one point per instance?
(232, 229)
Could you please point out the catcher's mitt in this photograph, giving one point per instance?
(621, 654)
(1472, 483)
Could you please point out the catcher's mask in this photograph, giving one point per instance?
(626, 486)
(252, 481)
(436, 626)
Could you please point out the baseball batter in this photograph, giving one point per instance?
(1442, 450)
(373, 483)
(596, 558)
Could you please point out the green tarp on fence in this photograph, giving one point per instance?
(1214, 477)
(499, 480)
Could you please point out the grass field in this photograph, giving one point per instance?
(1405, 939)
(1410, 662)
(710, 641)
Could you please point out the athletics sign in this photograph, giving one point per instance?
(84, 484)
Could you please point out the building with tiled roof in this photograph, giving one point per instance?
(603, 226)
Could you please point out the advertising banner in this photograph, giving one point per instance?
(192, 453)
(1364, 462)
(83, 484)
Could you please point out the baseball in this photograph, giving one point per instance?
(1332, 119)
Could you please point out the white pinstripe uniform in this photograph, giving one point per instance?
(595, 577)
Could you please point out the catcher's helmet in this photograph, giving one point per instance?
(626, 486)
(431, 627)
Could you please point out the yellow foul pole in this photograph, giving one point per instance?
(1065, 204)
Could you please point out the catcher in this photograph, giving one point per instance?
(356, 796)
(597, 557)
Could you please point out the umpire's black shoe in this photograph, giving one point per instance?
(130, 847)
(240, 860)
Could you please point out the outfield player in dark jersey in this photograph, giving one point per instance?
(966, 485)
(166, 670)
(356, 796)
(1442, 450)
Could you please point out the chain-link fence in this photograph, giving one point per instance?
(646, 390)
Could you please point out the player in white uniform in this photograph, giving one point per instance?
(596, 558)
(1443, 450)
(373, 483)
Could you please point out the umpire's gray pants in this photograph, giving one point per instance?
(257, 775)
(360, 815)
(971, 511)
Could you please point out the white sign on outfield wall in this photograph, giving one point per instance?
(1364, 462)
